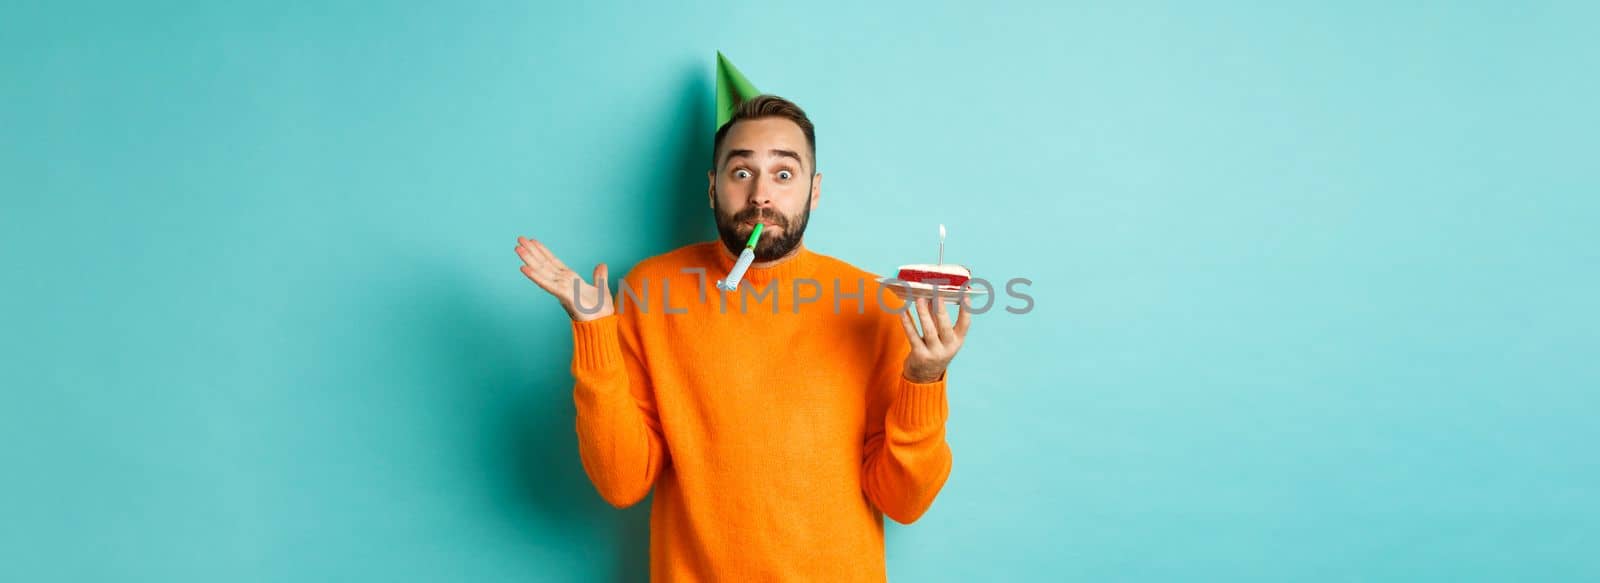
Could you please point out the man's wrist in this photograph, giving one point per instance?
(579, 315)
(921, 378)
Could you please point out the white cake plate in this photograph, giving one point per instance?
(916, 289)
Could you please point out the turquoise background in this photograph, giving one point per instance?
(1315, 284)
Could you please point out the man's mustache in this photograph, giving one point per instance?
(762, 216)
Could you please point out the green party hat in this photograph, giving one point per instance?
(732, 89)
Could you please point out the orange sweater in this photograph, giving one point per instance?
(775, 441)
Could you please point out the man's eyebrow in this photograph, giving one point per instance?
(788, 153)
(775, 152)
(734, 153)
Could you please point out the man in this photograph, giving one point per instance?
(775, 438)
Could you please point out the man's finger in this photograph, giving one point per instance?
(540, 280)
(549, 267)
(600, 280)
(529, 257)
(533, 252)
(963, 321)
(930, 330)
(910, 328)
(549, 255)
(941, 319)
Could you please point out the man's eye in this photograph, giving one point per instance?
(741, 173)
(783, 175)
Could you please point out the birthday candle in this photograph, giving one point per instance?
(941, 243)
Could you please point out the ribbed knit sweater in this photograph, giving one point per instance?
(775, 439)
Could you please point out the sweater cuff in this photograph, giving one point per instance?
(920, 405)
(595, 345)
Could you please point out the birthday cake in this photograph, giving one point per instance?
(944, 275)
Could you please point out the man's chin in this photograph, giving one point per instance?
(764, 250)
(769, 252)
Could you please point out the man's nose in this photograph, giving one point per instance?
(761, 195)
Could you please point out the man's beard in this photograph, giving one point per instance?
(770, 246)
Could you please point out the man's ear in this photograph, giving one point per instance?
(816, 190)
(711, 188)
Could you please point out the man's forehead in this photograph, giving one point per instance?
(764, 134)
(763, 138)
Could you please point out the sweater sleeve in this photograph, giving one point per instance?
(905, 459)
(619, 433)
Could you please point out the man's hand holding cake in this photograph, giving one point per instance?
(933, 348)
(936, 345)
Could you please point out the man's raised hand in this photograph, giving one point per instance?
(581, 300)
(937, 344)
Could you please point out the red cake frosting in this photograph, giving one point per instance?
(946, 274)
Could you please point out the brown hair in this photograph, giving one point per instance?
(763, 106)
